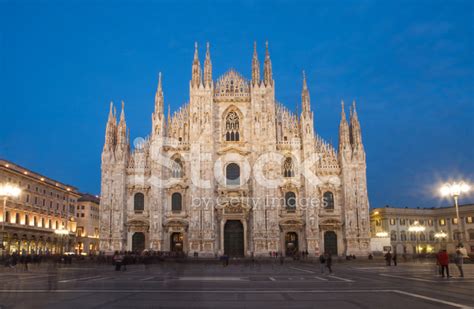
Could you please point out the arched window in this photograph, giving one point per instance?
(176, 202)
(232, 173)
(138, 202)
(422, 237)
(403, 236)
(232, 128)
(412, 236)
(290, 201)
(288, 168)
(393, 235)
(17, 218)
(432, 234)
(328, 200)
(177, 169)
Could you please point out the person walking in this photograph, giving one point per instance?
(329, 261)
(394, 258)
(459, 261)
(388, 258)
(443, 261)
(322, 263)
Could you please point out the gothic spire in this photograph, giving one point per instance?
(159, 98)
(196, 69)
(305, 99)
(208, 67)
(344, 139)
(122, 127)
(255, 66)
(356, 134)
(267, 69)
(111, 126)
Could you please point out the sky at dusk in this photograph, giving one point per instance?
(408, 64)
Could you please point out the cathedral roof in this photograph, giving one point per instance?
(232, 85)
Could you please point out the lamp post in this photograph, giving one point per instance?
(455, 189)
(7, 190)
(416, 228)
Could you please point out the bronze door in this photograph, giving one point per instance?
(234, 238)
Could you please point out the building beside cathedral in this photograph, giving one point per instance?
(227, 173)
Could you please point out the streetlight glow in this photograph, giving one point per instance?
(454, 189)
(61, 232)
(440, 235)
(381, 234)
(9, 190)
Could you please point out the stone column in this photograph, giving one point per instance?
(244, 222)
(221, 249)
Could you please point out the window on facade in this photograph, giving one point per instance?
(422, 237)
(402, 221)
(403, 236)
(57, 225)
(42, 222)
(328, 200)
(138, 202)
(456, 235)
(27, 220)
(469, 220)
(393, 235)
(421, 222)
(27, 198)
(392, 221)
(430, 222)
(442, 222)
(232, 128)
(412, 236)
(411, 221)
(290, 201)
(176, 202)
(471, 235)
(35, 221)
(232, 173)
(432, 238)
(288, 168)
(454, 220)
(17, 218)
(82, 215)
(7, 217)
(50, 225)
(177, 169)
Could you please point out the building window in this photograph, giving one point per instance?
(469, 220)
(454, 220)
(176, 202)
(430, 222)
(232, 172)
(27, 220)
(442, 222)
(288, 168)
(422, 237)
(82, 215)
(393, 235)
(471, 234)
(378, 223)
(431, 235)
(402, 221)
(290, 201)
(392, 221)
(403, 236)
(7, 217)
(328, 200)
(411, 221)
(232, 128)
(177, 169)
(412, 236)
(27, 198)
(50, 225)
(17, 218)
(35, 221)
(138, 202)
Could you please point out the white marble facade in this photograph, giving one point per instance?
(229, 171)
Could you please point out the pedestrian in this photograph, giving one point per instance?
(443, 260)
(322, 263)
(388, 258)
(329, 261)
(117, 258)
(394, 258)
(459, 261)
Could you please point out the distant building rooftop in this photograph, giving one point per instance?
(86, 197)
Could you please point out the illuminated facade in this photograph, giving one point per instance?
(152, 197)
(397, 221)
(43, 207)
(87, 218)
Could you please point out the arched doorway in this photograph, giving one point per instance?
(234, 238)
(176, 242)
(330, 242)
(138, 242)
(291, 243)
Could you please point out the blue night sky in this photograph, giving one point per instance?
(408, 64)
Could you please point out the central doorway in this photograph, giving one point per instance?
(177, 242)
(330, 242)
(138, 242)
(234, 238)
(291, 243)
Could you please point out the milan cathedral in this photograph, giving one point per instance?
(234, 172)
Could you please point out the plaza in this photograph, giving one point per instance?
(243, 284)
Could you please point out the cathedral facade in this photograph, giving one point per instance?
(234, 172)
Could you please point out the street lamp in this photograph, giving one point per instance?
(416, 227)
(455, 189)
(7, 190)
(381, 234)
